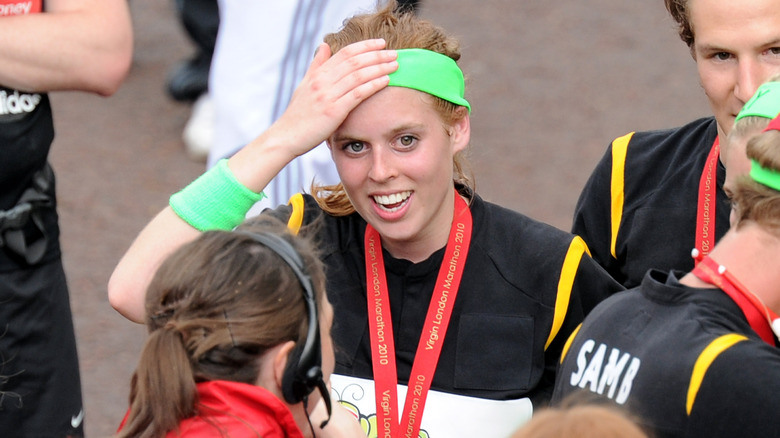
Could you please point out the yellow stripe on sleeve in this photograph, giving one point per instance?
(296, 218)
(704, 361)
(569, 341)
(619, 149)
(587, 250)
(577, 248)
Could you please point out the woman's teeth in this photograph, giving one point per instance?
(392, 202)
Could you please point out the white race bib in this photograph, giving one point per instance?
(445, 415)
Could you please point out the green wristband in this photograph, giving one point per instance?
(214, 201)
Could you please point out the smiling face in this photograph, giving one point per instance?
(395, 155)
(736, 47)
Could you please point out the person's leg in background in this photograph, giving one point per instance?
(189, 80)
(200, 19)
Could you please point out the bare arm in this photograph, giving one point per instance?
(331, 88)
(74, 45)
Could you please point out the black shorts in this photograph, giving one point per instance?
(40, 388)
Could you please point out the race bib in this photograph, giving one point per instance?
(445, 415)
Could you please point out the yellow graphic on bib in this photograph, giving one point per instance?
(368, 423)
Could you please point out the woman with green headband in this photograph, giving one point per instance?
(697, 352)
(450, 311)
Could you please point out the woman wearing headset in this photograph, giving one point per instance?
(235, 344)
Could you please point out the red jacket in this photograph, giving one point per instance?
(237, 410)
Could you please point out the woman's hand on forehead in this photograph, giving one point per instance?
(333, 86)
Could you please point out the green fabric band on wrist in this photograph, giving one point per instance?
(764, 176)
(764, 103)
(214, 201)
(432, 73)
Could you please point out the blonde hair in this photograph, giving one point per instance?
(581, 421)
(401, 29)
(753, 201)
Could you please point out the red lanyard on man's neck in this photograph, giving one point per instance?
(708, 195)
(758, 315)
(435, 328)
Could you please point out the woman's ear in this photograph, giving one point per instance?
(460, 133)
(280, 361)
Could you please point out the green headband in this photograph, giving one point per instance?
(430, 72)
(762, 175)
(765, 103)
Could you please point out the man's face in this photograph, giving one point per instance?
(737, 48)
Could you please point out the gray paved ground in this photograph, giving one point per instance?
(551, 84)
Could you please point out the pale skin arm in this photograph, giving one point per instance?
(81, 45)
(331, 88)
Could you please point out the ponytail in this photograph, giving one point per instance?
(162, 390)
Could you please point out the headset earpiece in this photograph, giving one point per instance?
(301, 376)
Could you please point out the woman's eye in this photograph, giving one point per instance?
(354, 147)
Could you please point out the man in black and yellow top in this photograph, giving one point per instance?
(655, 195)
(695, 355)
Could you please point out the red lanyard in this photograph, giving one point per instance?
(758, 315)
(705, 215)
(15, 7)
(434, 330)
